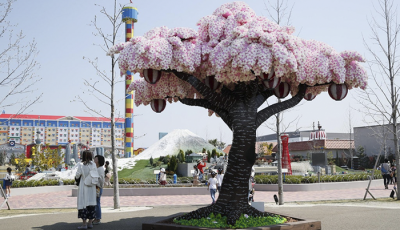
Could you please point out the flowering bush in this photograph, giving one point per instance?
(234, 44)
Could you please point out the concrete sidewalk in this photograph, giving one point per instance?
(63, 199)
(333, 217)
(139, 209)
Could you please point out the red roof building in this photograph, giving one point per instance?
(59, 130)
(336, 147)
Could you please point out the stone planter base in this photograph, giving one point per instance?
(292, 224)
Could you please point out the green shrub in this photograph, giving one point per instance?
(166, 159)
(292, 179)
(181, 156)
(68, 181)
(151, 161)
(218, 221)
(172, 165)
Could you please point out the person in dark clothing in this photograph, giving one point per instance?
(393, 178)
(385, 170)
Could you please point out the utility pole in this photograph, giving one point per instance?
(350, 149)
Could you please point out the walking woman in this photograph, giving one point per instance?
(86, 194)
(8, 179)
(108, 174)
(99, 160)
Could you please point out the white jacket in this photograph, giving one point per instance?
(86, 194)
(163, 177)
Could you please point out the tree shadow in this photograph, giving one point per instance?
(127, 223)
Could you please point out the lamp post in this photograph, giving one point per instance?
(38, 141)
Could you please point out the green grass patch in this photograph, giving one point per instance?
(218, 221)
(339, 169)
(142, 170)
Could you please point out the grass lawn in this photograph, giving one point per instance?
(141, 170)
(339, 169)
(350, 171)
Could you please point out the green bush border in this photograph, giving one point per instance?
(260, 179)
(42, 182)
(290, 179)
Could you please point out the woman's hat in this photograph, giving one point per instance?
(162, 169)
(213, 173)
(198, 161)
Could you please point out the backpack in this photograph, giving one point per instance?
(93, 178)
(383, 170)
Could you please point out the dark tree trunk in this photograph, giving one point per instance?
(233, 199)
(239, 110)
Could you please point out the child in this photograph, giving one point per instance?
(195, 171)
(8, 179)
(220, 177)
(163, 177)
(107, 173)
(196, 175)
(251, 189)
(212, 186)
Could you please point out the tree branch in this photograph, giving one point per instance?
(206, 104)
(263, 95)
(266, 113)
(218, 100)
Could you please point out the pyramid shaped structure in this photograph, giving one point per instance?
(173, 142)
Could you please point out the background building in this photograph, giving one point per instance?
(60, 130)
(306, 135)
(375, 139)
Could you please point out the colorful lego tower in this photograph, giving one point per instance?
(129, 16)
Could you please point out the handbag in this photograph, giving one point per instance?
(77, 180)
(93, 178)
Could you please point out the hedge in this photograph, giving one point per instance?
(260, 179)
(42, 182)
(290, 179)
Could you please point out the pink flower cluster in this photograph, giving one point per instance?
(168, 86)
(160, 48)
(232, 44)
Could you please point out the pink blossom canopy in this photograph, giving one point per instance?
(234, 44)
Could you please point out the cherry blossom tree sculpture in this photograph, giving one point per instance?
(231, 66)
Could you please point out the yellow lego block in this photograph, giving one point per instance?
(128, 139)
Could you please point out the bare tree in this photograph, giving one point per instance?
(109, 79)
(382, 98)
(278, 12)
(17, 65)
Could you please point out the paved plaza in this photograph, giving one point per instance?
(63, 199)
(137, 210)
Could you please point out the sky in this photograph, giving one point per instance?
(64, 36)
